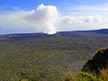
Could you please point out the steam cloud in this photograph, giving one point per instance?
(46, 15)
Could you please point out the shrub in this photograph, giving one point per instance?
(84, 76)
(24, 77)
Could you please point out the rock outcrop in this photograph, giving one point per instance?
(99, 61)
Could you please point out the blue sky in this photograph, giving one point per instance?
(60, 4)
(70, 15)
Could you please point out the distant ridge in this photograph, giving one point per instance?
(101, 31)
(37, 35)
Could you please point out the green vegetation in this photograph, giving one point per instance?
(84, 76)
(81, 76)
(24, 77)
(47, 58)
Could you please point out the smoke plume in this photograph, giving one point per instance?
(46, 15)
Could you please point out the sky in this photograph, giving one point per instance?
(51, 16)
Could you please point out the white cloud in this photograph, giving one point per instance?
(71, 20)
(19, 28)
(84, 19)
(43, 18)
(82, 10)
(15, 8)
(15, 17)
(14, 23)
(90, 7)
(83, 22)
(46, 15)
(4, 7)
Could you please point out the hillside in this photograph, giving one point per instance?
(47, 57)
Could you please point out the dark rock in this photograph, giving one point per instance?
(99, 61)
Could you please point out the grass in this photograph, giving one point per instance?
(85, 76)
(81, 76)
